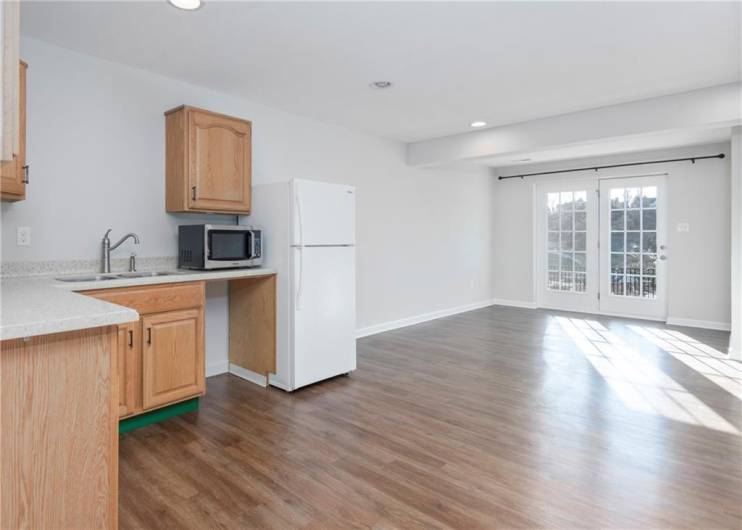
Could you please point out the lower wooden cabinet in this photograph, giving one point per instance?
(172, 357)
(161, 357)
(130, 368)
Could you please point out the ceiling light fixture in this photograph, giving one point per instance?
(380, 84)
(188, 5)
(478, 124)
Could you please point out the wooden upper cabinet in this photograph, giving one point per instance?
(208, 162)
(14, 173)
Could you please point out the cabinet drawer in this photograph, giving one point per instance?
(147, 299)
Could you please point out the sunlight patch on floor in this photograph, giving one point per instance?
(707, 361)
(639, 384)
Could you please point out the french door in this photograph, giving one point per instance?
(632, 247)
(600, 246)
(567, 262)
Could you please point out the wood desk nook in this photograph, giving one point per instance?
(72, 364)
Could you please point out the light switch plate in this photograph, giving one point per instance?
(683, 227)
(23, 236)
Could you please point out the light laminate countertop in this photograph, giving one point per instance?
(40, 305)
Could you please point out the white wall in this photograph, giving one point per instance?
(96, 149)
(699, 268)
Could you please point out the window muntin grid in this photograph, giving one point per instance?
(633, 242)
(566, 241)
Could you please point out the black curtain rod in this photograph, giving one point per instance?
(595, 168)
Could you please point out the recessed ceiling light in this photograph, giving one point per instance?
(381, 84)
(478, 124)
(188, 5)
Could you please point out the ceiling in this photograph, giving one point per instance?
(451, 62)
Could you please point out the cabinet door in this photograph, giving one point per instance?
(130, 368)
(173, 357)
(13, 172)
(219, 162)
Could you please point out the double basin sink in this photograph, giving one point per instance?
(115, 276)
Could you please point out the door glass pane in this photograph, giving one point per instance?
(649, 264)
(617, 284)
(633, 285)
(634, 242)
(649, 197)
(580, 220)
(580, 241)
(649, 287)
(580, 200)
(632, 264)
(567, 284)
(633, 219)
(649, 242)
(566, 232)
(618, 199)
(633, 196)
(617, 263)
(567, 241)
(617, 241)
(649, 220)
(553, 243)
(617, 220)
(580, 261)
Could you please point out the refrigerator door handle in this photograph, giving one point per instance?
(300, 280)
(298, 217)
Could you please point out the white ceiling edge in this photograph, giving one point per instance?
(615, 146)
(686, 117)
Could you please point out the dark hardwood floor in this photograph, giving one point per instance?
(497, 418)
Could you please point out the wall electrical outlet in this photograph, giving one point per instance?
(683, 227)
(23, 236)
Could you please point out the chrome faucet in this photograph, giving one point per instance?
(107, 248)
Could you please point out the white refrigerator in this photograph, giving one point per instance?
(309, 238)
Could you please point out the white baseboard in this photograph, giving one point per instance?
(217, 368)
(248, 375)
(706, 324)
(417, 319)
(514, 303)
(273, 380)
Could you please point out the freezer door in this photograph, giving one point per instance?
(323, 213)
(324, 313)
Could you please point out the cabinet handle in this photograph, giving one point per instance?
(26, 173)
(131, 339)
(193, 193)
(149, 335)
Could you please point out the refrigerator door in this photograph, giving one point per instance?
(323, 213)
(324, 313)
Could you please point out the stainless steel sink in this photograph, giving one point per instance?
(145, 274)
(89, 278)
(115, 276)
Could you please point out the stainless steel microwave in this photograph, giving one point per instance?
(205, 247)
